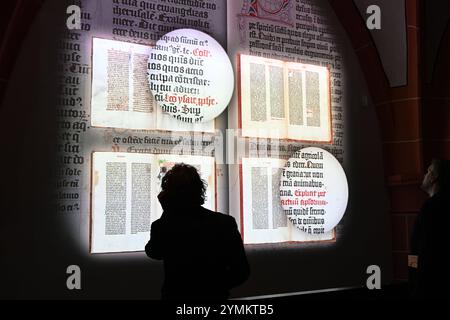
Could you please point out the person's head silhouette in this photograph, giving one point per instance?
(437, 177)
(182, 187)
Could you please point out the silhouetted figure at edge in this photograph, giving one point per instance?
(428, 260)
(202, 250)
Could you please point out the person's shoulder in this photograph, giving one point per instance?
(218, 216)
(433, 207)
(436, 201)
(442, 197)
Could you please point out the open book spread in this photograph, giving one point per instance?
(124, 196)
(280, 100)
(121, 96)
(284, 100)
(262, 216)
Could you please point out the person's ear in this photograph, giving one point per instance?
(433, 177)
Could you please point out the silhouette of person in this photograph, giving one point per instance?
(202, 250)
(429, 242)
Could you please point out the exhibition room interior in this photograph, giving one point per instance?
(312, 123)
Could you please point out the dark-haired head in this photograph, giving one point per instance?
(182, 187)
(442, 171)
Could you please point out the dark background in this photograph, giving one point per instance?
(389, 141)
